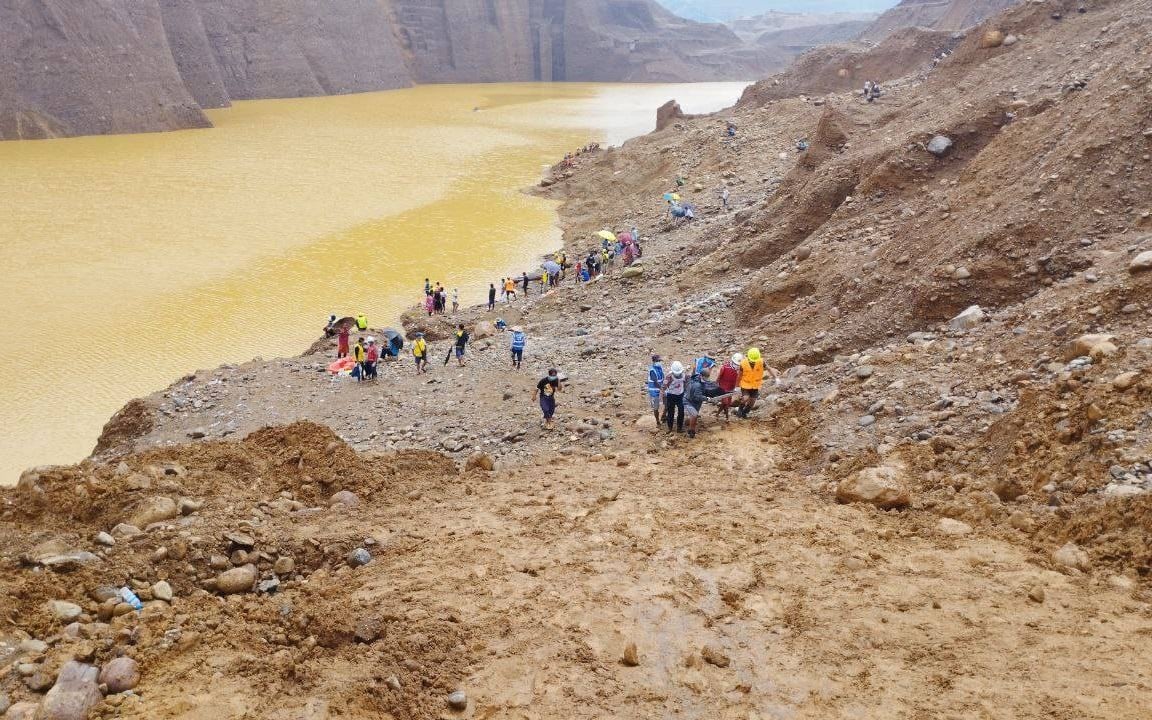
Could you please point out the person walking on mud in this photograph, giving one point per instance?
(752, 371)
(462, 338)
(655, 385)
(546, 391)
(492, 296)
(673, 391)
(519, 341)
(420, 354)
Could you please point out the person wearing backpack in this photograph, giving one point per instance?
(673, 391)
(655, 385)
(462, 339)
(519, 340)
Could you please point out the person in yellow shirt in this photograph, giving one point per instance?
(752, 371)
(420, 353)
(361, 322)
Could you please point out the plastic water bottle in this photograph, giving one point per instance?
(130, 597)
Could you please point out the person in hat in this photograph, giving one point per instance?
(519, 340)
(360, 355)
(371, 359)
(752, 371)
(675, 384)
(420, 353)
(343, 338)
(655, 383)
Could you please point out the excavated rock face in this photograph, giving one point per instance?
(935, 15)
(105, 66)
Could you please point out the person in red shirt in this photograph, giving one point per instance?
(728, 379)
(342, 342)
(371, 358)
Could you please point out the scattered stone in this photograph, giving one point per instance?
(802, 253)
(284, 565)
(631, 656)
(991, 39)
(1010, 40)
(32, 646)
(1036, 594)
(120, 674)
(22, 711)
(1072, 556)
(123, 531)
(63, 611)
(948, 526)
(105, 539)
(359, 557)
(882, 486)
(1021, 521)
(939, 145)
(236, 580)
(187, 506)
(368, 630)
(632, 271)
(961, 273)
(4, 703)
(72, 697)
(347, 498)
(1123, 381)
(152, 510)
(1141, 262)
(458, 700)
(970, 318)
(481, 461)
(162, 591)
(240, 540)
(715, 656)
(865, 371)
(1093, 345)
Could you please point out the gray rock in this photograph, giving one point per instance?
(346, 498)
(162, 591)
(22, 711)
(939, 145)
(970, 318)
(105, 539)
(458, 700)
(5, 703)
(75, 693)
(866, 420)
(123, 531)
(1141, 262)
(120, 674)
(63, 611)
(865, 371)
(284, 565)
(359, 557)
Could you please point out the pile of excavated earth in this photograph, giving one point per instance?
(942, 510)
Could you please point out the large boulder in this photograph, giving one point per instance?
(991, 39)
(634, 270)
(970, 318)
(1094, 345)
(1071, 555)
(120, 674)
(884, 486)
(152, 510)
(939, 145)
(75, 693)
(1141, 262)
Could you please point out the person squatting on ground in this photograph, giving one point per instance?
(546, 391)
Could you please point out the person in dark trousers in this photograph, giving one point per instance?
(462, 338)
(546, 391)
(673, 390)
(519, 340)
(491, 296)
(524, 280)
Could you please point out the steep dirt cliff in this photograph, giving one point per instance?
(71, 67)
(950, 15)
(103, 66)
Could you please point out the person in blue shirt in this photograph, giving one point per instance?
(519, 340)
(655, 383)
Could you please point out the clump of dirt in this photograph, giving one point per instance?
(132, 421)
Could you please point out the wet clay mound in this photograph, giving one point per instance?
(248, 556)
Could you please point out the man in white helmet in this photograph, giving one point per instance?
(727, 380)
(673, 394)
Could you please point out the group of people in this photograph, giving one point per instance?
(570, 158)
(871, 90)
(507, 290)
(436, 299)
(677, 395)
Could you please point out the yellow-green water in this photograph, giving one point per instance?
(131, 260)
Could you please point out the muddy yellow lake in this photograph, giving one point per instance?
(129, 261)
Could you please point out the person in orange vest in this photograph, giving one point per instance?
(752, 371)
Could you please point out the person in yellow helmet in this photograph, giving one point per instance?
(361, 322)
(752, 370)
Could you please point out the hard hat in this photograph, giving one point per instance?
(754, 354)
(737, 358)
(677, 368)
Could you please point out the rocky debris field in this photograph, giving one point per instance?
(949, 489)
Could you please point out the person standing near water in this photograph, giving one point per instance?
(491, 297)
(525, 281)
(342, 339)
(462, 338)
(420, 353)
(455, 300)
(546, 391)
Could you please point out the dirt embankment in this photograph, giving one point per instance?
(927, 502)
